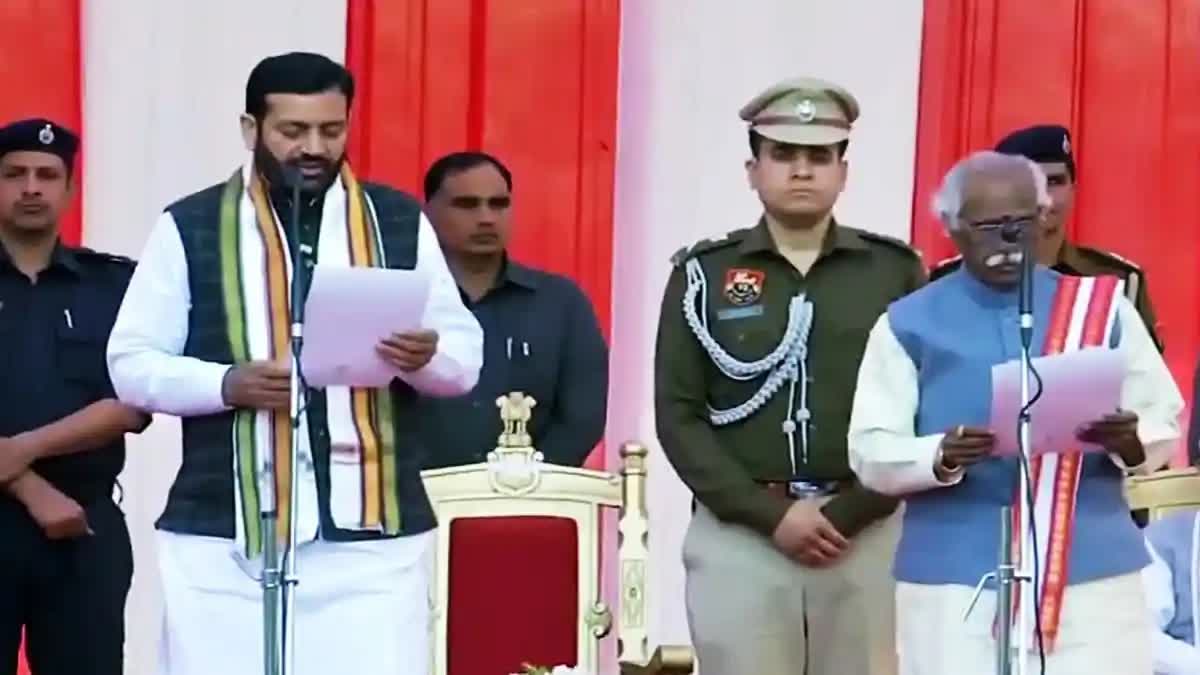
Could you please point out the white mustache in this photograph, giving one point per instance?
(998, 259)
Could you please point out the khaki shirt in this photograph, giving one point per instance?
(1083, 261)
(855, 277)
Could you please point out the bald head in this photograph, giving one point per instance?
(987, 185)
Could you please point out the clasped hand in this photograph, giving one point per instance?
(806, 535)
(59, 516)
(15, 458)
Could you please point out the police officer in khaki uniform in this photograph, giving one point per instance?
(1050, 146)
(787, 557)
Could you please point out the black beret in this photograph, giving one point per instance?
(39, 135)
(1042, 143)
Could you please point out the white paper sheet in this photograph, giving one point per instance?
(349, 310)
(1077, 388)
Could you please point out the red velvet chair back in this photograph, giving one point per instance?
(513, 594)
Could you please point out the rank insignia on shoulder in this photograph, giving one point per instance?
(744, 286)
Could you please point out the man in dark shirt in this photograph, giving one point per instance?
(66, 562)
(541, 336)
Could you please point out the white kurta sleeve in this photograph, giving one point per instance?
(454, 369)
(1171, 656)
(1148, 390)
(145, 348)
(885, 451)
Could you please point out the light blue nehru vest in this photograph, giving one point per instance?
(1174, 541)
(955, 329)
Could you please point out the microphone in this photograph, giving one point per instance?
(291, 176)
(1023, 232)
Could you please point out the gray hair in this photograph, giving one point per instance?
(948, 201)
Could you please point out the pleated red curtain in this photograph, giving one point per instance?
(532, 82)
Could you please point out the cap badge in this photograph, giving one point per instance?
(46, 135)
(1066, 145)
(806, 110)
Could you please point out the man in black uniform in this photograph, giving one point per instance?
(66, 560)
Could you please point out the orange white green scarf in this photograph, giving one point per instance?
(256, 270)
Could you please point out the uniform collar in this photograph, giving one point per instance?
(515, 273)
(62, 256)
(836, 238)
(511, 273)
(1070, 260)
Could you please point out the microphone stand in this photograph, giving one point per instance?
(1014, 571)
(279, 566)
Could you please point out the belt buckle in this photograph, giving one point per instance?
(802, 489)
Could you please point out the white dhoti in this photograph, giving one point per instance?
(1104, 630)
(361, 607)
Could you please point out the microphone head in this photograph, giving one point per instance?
(291, 175)
(1012, 232)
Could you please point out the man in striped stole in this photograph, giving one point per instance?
(203, 334)
(919, 429)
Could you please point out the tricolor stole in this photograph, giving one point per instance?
(1083, 315)
(256, 269)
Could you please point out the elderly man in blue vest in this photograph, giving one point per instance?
(1173, 592)
(919, 430)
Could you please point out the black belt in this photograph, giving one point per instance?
(804, 489)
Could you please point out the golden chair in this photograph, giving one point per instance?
(518, 561)
(1163, 492)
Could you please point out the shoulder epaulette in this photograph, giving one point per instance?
(1109, 257)
(101, 256)
(703, 246)
(889, 241)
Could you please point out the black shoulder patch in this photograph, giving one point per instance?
(100, 256)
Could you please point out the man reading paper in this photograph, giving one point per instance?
(203, 334)
(918, 430)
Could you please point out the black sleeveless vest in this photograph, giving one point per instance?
(201, 500)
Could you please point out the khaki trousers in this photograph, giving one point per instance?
(754, 611)
(1105, 630)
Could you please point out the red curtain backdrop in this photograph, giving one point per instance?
(41, 74)
(1125, 77)
(532, 82)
